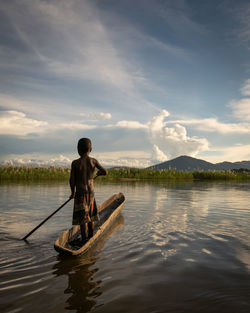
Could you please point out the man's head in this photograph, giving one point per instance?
(84, 146)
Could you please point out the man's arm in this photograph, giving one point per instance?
(101, 170)
(72, 181)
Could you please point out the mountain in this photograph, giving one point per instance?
(186, 163)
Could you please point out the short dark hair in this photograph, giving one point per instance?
(84, 146)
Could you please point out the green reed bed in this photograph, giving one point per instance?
(221, 175)
(146, 174)
(33, 173)
(60, 173)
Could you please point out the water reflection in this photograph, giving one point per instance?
(182, 212)
(82, 287)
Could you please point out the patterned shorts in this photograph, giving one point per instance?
(85, 208)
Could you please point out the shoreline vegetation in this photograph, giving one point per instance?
(25, 173)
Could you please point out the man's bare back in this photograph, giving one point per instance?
(82, 173)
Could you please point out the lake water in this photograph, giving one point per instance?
(175, 248)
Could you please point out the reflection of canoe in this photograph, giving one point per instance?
(69, 242)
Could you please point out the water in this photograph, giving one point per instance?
(175, 248)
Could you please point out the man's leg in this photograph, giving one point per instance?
(91, 229)
(84, 231)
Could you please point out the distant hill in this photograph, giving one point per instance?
(186, 163)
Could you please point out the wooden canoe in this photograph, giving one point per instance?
(69, 242)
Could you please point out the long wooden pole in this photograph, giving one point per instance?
(47, 218)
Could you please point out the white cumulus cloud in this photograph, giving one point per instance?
(158, 155)
(17, 123)
(41, 160)
(157, 122)
(61, 160)
(174, 141)
(167, 141)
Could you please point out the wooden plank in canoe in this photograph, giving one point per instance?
(109, 210)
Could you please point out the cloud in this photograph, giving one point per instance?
(16, 123)
(213, 125)
(232, 153)
(129, 124)
(157, 122)
(158, 155)
(173, 141)
(241, 108)
(76, 45)
(124, 158)
(167, 142)
(74, 126)
(11, 102)
(40, 106)
(105, 116)
(245, 90)
(159, 139)
(61, 160)
(72, 44)
(34, 160)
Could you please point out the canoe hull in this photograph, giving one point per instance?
(110, 209)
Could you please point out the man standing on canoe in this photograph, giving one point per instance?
(82, 188)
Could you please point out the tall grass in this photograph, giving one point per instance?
(138, 174)
(59, 173)
(33, 173)
(221, 175)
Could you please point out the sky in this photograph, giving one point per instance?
(145, 80)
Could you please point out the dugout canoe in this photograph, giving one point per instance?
(69, 241)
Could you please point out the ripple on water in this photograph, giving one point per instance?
(175, 249)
